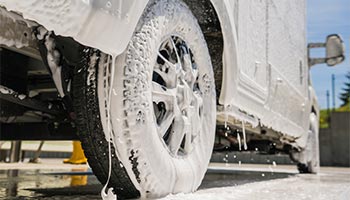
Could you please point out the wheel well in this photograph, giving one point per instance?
(209, 22)
(313, 110)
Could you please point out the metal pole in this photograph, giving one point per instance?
(35, 159)
(328, 108)
(333, 91)
(15, 153)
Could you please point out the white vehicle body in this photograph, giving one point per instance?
(265, 68)
(159, 80)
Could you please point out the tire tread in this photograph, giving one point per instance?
(91, 133)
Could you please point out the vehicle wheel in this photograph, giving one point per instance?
(162, 110)
(308, 159)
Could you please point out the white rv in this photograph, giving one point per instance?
(148, 82)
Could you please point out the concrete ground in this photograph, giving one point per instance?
(49, 146)
(50, 149)
(54, 180)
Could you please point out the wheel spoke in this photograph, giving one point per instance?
(166, 123)
(163, 94)
(191, 74)
(196, 116)
(199, 99)
(176, 52)
(188, 135)
(167, 96)
(187, 62)
(177, 135)
(167, 77)
(168, 71)
(177, 99)
(188, 142)
(166, 60)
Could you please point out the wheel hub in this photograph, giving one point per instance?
(177, 99)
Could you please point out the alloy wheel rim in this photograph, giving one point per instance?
(176, 95)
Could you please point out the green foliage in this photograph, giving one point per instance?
(344, 108)
(324, 119)
(324, 115)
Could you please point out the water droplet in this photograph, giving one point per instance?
(108, 4)
(239, 141)
(244, 136)
(115, 92)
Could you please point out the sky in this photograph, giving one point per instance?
(327, 17)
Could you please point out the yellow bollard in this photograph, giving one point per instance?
(78, 156)
(79, 180)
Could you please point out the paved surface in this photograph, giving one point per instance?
(250, 157)
(54, 180)
(50, 146)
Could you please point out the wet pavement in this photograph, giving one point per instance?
(57, 181)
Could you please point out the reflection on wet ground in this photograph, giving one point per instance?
(48, 184)
(82, 184)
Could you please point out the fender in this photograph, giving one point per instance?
(225, 12)
(314, 101)
(109, 25)
(312, 107)
(104, 24)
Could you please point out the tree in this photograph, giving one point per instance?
(345, 95)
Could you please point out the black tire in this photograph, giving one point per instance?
(144, 163)
(91, 133)
(308, 159)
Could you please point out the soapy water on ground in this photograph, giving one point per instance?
(222, 182)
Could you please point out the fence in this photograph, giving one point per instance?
(335, 141)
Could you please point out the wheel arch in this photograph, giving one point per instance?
(314, 101)
(215, 17)
(217, 21)
(209, 22)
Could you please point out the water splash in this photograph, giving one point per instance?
(244, 136)
(226, 115)
(226, 158)
(109, 195)
(274, 164)
(239, 141)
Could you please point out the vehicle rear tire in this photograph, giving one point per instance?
(309, 159)
(160, 108)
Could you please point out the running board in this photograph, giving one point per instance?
(234, 116)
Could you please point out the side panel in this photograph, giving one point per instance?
(287, 57)
(252, 41)
(265, 62)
